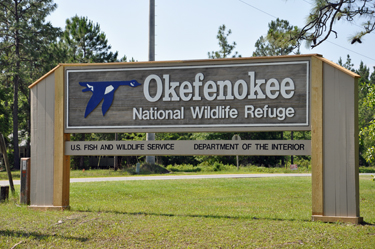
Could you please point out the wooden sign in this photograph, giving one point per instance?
(286, 93)
(223, 97)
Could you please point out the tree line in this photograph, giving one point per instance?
(30, 47)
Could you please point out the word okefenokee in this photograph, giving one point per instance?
(220, 90)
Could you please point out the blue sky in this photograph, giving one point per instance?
(187, 29)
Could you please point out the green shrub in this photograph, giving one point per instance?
(148, 168)
(302, 162)
(366, 169)
(183, 168)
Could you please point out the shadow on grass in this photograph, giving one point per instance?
(193, 215)
(205, 216)
(37, 236)
(367, 224)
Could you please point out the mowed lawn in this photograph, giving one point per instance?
(209, 213)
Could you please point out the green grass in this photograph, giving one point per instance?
(15, 175)
(185, 169)
(177, 171)
(212, 213)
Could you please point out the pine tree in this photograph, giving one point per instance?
(226, 48)
(85, 42)
(24, 37)
(278, 40)
(4, 113)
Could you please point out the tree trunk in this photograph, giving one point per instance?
(15, 125)
(15, 95)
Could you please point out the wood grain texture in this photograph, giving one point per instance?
(127, 99)
(61, 162)
(200, 129)
(355, 167)
(49, 131)
(317, 135)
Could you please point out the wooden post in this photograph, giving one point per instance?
(6, 161)
(25, 181)
(334, 143)
(4, 193)
(317, 135)
(61, 162)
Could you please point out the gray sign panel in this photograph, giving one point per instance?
(189, 147)
(189, 97)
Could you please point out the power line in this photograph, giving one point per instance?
(307, 2)
(326, 40)
(350, 50)
(258, 9)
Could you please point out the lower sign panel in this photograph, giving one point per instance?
(189, 148)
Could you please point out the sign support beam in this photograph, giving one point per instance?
(317, 135)
(61, 162)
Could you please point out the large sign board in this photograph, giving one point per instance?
(219, 96)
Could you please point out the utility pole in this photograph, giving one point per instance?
(151, 37)
(115, 158)
(151, 57)
(291, 157)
